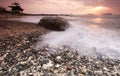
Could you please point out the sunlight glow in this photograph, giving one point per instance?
(99, 9)
(98, 20)
(95, 26)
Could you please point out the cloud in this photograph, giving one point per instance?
(106, 3)
(113, 5)
(64, 6)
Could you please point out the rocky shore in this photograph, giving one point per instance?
(12, 28)
(19, 58)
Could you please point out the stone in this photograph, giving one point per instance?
(69, 68)
(57, 65)
(33, 62)
(84, 70)
(1, 58)
(54, 23)
(0, 68)
(16, 74)
(58, 57)
(48, 65)
(105, 68)
(15, 70)
(5, 68)
(30, 74)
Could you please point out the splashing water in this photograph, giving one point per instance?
(88, 38)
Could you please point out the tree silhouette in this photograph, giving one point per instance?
(2, 9)
(16, 8)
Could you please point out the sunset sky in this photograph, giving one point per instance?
(67, 6)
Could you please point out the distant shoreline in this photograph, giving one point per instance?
(70, 15)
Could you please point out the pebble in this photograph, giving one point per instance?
(48, 65)
(14, 70)
(1, 58)
(45, 66)
(30, 74)
(105, 68)
(57, 65)
(58, 57)
(20, 59)
(0, 68)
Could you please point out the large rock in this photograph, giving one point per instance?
(54, 23)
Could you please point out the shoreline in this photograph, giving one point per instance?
(14, 27)
(19, 58)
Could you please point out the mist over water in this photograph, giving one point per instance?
(92, 37)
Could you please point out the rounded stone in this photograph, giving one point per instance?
(54, 23)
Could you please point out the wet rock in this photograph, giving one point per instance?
(54, 23)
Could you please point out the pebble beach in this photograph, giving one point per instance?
(18, 57)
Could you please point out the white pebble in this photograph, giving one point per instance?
(58, 57)
(57, 65)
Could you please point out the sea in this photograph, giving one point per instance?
(91, 36)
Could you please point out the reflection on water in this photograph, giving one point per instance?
(95, 26)
(90, 36)
(31, 19)
(86, 34)
(88, 41)
(97, 20)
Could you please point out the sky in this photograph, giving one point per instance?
(66, 6)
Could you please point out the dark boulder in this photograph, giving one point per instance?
(54, 23)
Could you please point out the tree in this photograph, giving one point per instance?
(16, 8)
(2, 9)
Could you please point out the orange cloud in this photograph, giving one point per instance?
(99, 9)
(67, 6)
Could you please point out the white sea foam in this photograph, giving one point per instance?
(88, 38)
(91, 36)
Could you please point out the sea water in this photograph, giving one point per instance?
(90, 36)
